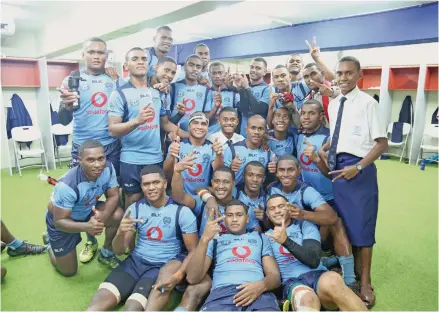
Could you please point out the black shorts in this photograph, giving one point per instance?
(130, 177)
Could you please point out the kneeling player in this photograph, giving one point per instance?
(306, 282)
(162, 227)
(244, 269)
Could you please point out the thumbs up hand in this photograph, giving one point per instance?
(217, 147)
(236, 163)
(272, 164)
(309, 151)
(174, 148)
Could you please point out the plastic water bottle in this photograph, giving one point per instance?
(423, 164)
(42, 176)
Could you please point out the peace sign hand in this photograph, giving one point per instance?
(314, 50)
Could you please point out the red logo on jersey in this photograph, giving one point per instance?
(99, 99)
(198, 170)
(241, 254)
(156, 231)
(285, 252)
(189, 104)
(305, 159)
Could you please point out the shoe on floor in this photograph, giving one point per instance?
(112, 261)
(26, 249)
(88, 252)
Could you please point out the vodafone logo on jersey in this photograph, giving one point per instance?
(305, 159)
(154, 233)
(99, 99)
(286, 253)
(241, 252)
(196, 170)
(189, 104)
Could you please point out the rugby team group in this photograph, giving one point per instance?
(240, 194)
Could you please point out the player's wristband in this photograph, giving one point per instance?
(205, 195)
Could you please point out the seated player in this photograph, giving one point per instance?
(74, 208)
(253, 194)
(308, 204)
(228, 120)
(306, 282)
(17, 247)
(162, 228)
(244, 269)
(315, 136)
(209, 155)
(237, 155)
(283, 143)
(216, 198)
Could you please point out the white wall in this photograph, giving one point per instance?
(22, 44)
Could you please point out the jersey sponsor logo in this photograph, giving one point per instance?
(196, 170)
(99, 99)
(225, 242)
(148, 127)
(190, 90)
(305, 160)
(189, 104)
(84, 86)
(109, 86)
(286, 253)
(251, 155)
(96, 81)
(154, 233)
(242, 253)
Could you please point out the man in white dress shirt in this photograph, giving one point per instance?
(358, 138)
(229, 121)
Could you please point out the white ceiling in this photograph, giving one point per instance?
(243, 17)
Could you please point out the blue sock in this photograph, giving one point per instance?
(16, 243)
(106, 253)
(181, 309)
(91, 238)
(347, 266)
(329, 262)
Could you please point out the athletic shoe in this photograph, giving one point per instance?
(112, 261)
(26, 249)
(286, 305)
(45, 238)
(89, 252)
(3, 246)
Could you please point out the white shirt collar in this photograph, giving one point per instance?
(352, 95)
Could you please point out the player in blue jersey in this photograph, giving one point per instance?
(284, 142)
(162, 44)
(163, 230)
(244, 269)
(227, 97)
(136, 116)
(202, 50)
(74, 208)
(296, 247)
(253, 194)
(281, 96)
(254, 96)
(194, 96)
(90, 121)
(209, 155)
(298, 86)
(308, 204)
(315, 136)
(240, 154)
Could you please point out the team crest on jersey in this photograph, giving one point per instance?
(261, 160)
(167, 221)
(180, 94)
(225, 242)
(109, 86)
(256, 94)
(252, 241)
(134, 102)
(199, 95)
(244, 159)
(206, 158)
(226, 100)
(289, 150)
(84, 86)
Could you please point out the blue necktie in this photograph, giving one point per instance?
(332, 155)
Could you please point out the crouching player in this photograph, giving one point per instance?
(162, 228)
(306, 282)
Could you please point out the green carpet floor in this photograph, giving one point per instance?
(405, 266)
